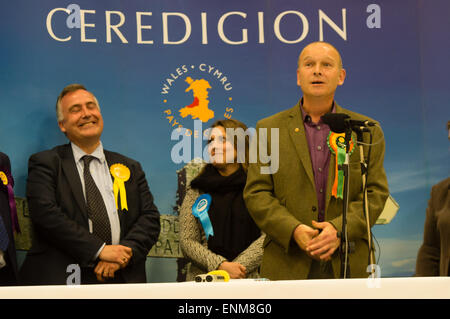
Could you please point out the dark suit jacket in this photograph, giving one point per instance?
(60, 222)
(433, 258)
(8, 274)
(281, 201)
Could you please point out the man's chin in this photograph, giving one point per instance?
(90, 132)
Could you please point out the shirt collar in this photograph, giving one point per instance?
(305, 116)
(78, 153)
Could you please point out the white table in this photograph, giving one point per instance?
(382, 288)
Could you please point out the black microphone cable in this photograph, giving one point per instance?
(365, 190)
(373, 237)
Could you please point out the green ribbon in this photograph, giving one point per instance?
(340, 182)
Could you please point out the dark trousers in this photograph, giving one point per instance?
(321, 270)
(7, 276)
(88, 277)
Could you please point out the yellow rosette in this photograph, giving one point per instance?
(4, 178)
(336, 143)
(121, 174)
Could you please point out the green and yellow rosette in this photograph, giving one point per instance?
(336, 143)
(121, 174)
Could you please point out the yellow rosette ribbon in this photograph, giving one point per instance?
(336, 143)
(121, 174)
(4, 178)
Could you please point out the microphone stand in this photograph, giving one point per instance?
(345, 267)
(341, 123)
(364, 172)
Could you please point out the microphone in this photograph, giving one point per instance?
(209, 278)
(339, 122)
(336, 121)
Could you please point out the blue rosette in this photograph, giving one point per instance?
(200, 211)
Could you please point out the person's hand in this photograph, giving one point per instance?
(235, 270)
(303, 234)
(325, 244)
(116, 254)
(105, 270)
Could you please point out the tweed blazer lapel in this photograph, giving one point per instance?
(298, 138)
(73, 178)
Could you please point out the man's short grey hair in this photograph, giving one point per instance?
(68, 89)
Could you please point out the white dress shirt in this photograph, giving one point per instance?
(102, 177)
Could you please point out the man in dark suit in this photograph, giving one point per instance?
(89, 207)
(8, 262)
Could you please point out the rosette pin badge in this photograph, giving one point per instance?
(336, 143)
(121, 174)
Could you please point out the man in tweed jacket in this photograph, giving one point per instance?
(293, 205)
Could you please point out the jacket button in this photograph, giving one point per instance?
(314, 208)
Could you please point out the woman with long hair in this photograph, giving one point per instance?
(234, 242)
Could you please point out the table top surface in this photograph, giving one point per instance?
(378, 288)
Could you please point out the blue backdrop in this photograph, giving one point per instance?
(135, 55)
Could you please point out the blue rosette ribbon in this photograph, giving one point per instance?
(200, 211)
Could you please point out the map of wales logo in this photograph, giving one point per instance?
(192, 97)
(196, 92)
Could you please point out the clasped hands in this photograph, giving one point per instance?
(234, 269)
(318, 245)
(112, 258)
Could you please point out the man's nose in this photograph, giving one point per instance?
(317, 70)
(85, 112)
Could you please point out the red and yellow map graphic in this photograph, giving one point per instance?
(198, 109)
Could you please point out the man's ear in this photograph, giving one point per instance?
(61, 126)
(342, 75)
(298, 77)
